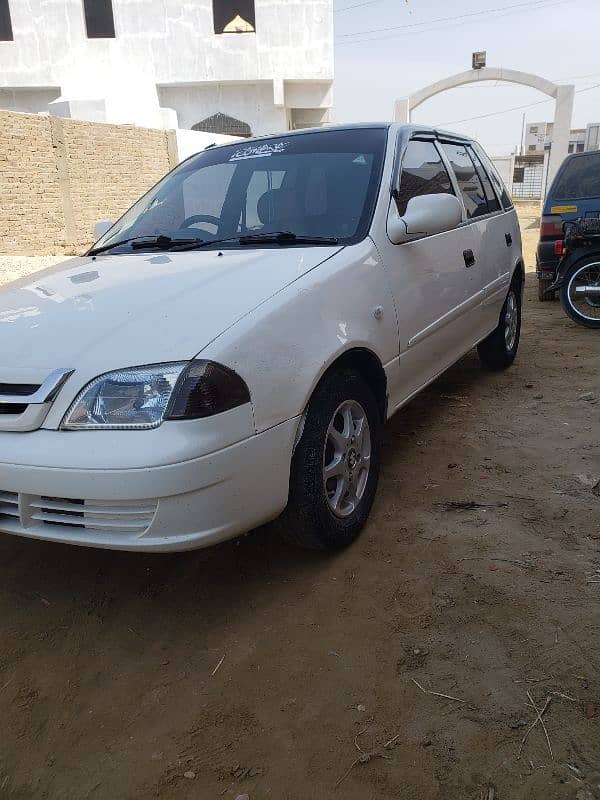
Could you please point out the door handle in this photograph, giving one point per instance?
(508, 238)
(469, 258)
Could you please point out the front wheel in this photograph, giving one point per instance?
(580, 293)
(335, 467)
(499, 349)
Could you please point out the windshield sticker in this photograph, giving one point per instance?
(259, 150)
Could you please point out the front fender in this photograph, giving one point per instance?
(283, 347)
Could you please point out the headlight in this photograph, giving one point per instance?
(142, 397)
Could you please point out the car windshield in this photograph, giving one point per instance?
(580, 179)
(317, 185)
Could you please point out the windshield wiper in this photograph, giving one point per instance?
(139, 242)
(280, 237)
(286, 237)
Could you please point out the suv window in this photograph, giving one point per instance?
(580, 179)
(423, 172)
(469, 184)
(492, 200)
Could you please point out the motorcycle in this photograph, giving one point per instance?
(578, 272)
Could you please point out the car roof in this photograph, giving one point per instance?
(585, 154)
(410, 129)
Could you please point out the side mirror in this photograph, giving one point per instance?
(101, 227)
(424, 216)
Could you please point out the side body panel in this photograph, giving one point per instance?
(443, 307)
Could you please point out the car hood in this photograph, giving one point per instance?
(123, 310)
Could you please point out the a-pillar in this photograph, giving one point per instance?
(562, 129)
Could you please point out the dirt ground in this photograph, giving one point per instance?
(255, 669)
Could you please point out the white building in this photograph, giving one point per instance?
(538, 138)
(253, 66)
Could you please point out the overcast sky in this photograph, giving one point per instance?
(557, 39)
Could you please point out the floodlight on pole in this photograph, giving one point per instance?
(479, 59)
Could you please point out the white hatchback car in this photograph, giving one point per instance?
(231, 347)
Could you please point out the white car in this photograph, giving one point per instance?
(230, 349)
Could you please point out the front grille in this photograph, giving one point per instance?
(9, 505)
(121, 517)
(19, 389)
(12, 408)
(24, 406)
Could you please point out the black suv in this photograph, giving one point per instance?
(574, 194)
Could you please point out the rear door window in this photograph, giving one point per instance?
(497, 181)
(492, 200)
(580, 179)
(468, 180)
(423, 172)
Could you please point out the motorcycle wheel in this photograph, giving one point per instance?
(582, 308)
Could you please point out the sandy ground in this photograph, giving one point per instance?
(257, 669)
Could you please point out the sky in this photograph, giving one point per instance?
(386, 49)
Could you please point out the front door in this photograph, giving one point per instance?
(428, 277)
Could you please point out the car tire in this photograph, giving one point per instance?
(499, 349)
(543, 285)
(341, 434)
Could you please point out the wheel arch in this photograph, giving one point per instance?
(368, 365)
(519, 273)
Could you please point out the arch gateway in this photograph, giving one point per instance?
(563, 95)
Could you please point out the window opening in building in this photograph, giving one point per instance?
(6, 32)
(234, 16)
(99, 19)
(221, 123)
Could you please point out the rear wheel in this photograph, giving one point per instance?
(543, 285)
(335, 467)
(580, 292)
(499, 349)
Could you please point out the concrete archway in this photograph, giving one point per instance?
(563, 96)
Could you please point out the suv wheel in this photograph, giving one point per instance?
(543, 284)
(335, 467)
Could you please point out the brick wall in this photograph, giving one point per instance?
(59, 176)
(31, 209)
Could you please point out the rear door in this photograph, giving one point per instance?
(492, 235)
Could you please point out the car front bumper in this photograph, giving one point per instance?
(165, 507)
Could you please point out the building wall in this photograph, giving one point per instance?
(31, 211)
(251, 104)
(58, 177)
(27, 100)
(505, 168)
(592, 136)
(108, 168)
(162, 43)
(538, 138)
